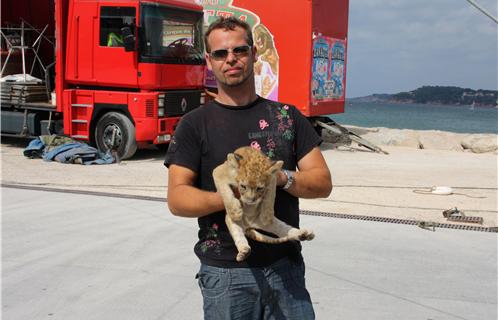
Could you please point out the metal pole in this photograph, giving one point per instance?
(9, 45)
(39, 36)
(472, 2)
(5, 62)
(49, 122)
(37, 44)
(22, 51)
(36, 30)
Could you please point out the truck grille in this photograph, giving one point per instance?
(178, 103)
(149, 108)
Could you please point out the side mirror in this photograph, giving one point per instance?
(128, 38)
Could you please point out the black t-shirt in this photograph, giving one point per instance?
(202, 141)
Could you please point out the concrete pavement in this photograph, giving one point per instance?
(70, 256)
(365, 183)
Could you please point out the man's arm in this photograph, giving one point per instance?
(185, 200)
(313, 180)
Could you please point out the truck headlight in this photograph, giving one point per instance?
(160, 105)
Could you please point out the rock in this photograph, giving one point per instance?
(485, 145)
(393, 137)
(440, 140)
(481, 143)
(429, 139)
(470, 139)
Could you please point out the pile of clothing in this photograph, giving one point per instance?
(65, 150)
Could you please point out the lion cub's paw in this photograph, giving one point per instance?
(301, 234)
(243, 253)
(306, 235)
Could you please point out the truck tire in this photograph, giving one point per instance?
(116, 126)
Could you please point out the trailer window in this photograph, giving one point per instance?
(112, 19)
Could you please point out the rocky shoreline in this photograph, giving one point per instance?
(429, 139)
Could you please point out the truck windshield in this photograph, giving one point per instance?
(171, 35)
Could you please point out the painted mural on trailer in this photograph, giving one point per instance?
(328, 74)
(266, 67)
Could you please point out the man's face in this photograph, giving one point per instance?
(235, 69)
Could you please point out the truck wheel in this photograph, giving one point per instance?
(115, 131)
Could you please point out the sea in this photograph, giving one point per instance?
(462, 119)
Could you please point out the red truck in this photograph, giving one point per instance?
(133, 94)
(125, 71)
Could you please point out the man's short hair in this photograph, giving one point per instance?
(228, 23)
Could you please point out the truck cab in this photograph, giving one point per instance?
(125, 70)
(141, 45)
(132, 69)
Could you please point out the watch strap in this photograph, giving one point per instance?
(290, 179)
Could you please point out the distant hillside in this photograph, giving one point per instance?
(437, 95)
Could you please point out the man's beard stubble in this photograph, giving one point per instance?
(238, 82)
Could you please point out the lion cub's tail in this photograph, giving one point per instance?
(256, 235)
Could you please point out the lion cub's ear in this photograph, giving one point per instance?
(233, 159)
(276, 165)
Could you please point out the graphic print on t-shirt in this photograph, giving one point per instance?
(277, 135)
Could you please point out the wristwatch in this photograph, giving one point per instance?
(290, 179)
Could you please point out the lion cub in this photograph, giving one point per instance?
(247, 183)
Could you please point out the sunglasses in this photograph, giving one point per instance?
(237, 51)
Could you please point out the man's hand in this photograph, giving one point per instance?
(312, 180)
(186, 200)
(281, 178)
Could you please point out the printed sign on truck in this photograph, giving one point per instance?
(328, 74)
(267, 64)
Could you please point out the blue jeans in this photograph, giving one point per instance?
(274, 292)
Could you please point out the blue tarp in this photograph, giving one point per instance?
(69, 152)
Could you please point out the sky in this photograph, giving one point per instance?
(401, 45)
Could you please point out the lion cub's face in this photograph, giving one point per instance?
(253, 173)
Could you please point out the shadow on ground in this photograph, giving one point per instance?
(151, 153)
(16, 142)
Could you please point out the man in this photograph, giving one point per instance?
(115, 40)
(270, 283)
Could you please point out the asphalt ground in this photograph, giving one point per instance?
(76, 256)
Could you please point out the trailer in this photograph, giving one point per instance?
(118, 74)
(302, 56)
(301, 47)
